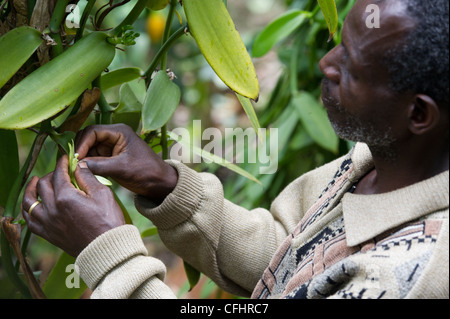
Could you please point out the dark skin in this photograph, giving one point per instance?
(355, 92)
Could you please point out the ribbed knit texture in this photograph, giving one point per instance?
(107, 250)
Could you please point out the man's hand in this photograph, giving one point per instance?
(118, 152)
(68, 217)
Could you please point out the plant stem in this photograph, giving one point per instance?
(84, 19)
(9, 267)
(162, 51)
(164, 146)
(55, 23)
(105, 109)
(173, 5)
(58, 15)
(103, 15)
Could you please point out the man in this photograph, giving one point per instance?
(373, 224)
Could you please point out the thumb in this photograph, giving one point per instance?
(86, 179)
(103, 166)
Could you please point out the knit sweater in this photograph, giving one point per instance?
(318, 240)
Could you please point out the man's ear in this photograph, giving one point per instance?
(424, 114)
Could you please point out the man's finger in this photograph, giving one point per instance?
(30, 195)
(93, 136)
(61, 179)
(104, 166)
(86, 179)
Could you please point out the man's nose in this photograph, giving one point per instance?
(329, 66)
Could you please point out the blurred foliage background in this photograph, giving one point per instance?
(290, 67)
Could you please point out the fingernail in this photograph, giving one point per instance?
(82, 164)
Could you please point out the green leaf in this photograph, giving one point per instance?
(155, 144)
(163, 97)
(221, 44)
(125, 212)
(192, 274)
(119, 76)
(63, 139)
(278, 30)
(129, 109)
(149, 232)
(250, 111)
(315, 120)
(9, 163)
(54, 86)
(63, 282)
(103, 180)
(16, 47)
(211, 157)
(129, 102)
(329, 11)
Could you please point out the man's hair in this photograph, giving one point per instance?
(420, 63)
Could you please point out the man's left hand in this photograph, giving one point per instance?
(68, 217)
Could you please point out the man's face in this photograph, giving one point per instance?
(360, 105)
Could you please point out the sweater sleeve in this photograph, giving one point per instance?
(230, 244)
(116, 266)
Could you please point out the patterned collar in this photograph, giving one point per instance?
(367, 216)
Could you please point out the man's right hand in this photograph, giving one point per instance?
(118, 152)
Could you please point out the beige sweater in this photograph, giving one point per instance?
(318, 239)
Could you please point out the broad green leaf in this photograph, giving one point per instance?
(211, 157)
(16, 47)
(119, 76)
(9, 164)
(157, 4)
(52, 87)
(220, 43)
(286, 123)
(278, 30)
(315, 120)
(129, 109)
(163, 97)
(329, 11)
(63, 282)
(128, 101)
(192, 274)
(250, 111)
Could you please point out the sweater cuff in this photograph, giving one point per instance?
(107, 251)
(179, 205)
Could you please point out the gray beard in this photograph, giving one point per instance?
(380, 141)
